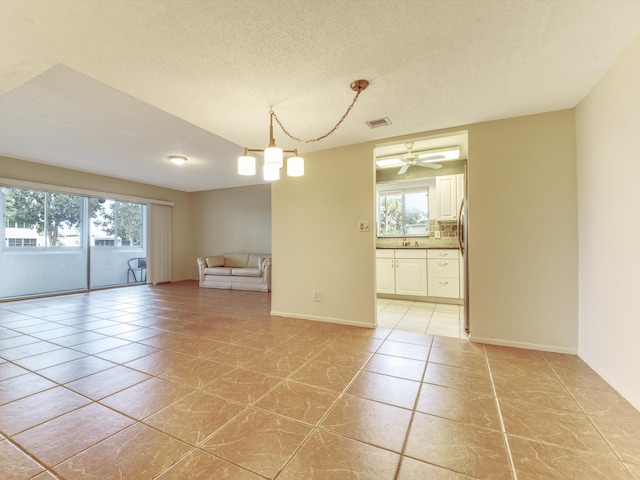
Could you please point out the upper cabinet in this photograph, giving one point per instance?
(450, 192)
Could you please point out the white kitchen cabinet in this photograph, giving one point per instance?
(450, 192)
(401, 271)
(385, 271)
(444, 273)
(411, 272)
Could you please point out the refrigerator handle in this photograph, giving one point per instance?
(460, 233)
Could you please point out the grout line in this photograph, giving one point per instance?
(413, 413)
(503, 429)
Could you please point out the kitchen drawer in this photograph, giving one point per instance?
(442, 253)
(384, 253)
(445, 268)
(411, 253)
(444, 287)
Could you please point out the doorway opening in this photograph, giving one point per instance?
(421, 211)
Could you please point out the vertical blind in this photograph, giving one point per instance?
(159, 244)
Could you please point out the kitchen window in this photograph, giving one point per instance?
(403, 213)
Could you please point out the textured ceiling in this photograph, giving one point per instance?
(116, 86)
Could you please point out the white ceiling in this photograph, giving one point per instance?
(114, 87)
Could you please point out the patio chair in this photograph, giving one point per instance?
(137, 269)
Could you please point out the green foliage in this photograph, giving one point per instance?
(47, 212)
(123, 219)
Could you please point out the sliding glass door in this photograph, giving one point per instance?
(53, 242)
(117, 243)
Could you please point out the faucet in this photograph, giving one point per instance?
(405, 242)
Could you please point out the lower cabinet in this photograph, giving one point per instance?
(444, 273)
(411, 272)
(401, 272)
(385, 271)
(419, 272)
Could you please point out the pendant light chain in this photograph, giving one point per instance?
(357, 87)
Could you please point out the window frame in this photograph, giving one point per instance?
(395, 190)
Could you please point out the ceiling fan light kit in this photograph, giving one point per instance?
(274, 156)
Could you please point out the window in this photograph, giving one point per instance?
(41, 219)
(49, 220)
(403, 213)
(117, 224)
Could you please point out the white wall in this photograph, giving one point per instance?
(607, 128)
(316, 243)
(523, 233)
(231, 220)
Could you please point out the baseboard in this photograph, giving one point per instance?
(527, 346)
(614, 384)
(315, 318)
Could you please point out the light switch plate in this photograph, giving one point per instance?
(363, 226)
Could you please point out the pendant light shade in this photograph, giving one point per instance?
(273, 157)
(295, 166)
(270, 173)
(246, 165)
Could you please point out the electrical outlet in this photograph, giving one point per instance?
(316, 295)
(363, 226)
(437, 233)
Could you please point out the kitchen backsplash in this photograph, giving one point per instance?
(448, 237)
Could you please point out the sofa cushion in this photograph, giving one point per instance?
(217, 271)
(254, 260)
(236, 260)
(215, 261)
(246, 272)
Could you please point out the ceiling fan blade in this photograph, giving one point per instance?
(435, 166)
(403, 169)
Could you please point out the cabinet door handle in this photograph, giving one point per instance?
(443, 264)
(443, 283)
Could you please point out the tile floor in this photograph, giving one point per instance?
(421, 317)
(178, 382)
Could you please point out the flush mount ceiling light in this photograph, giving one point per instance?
(274, 156)
(177, 159)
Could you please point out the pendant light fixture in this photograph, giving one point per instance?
(274, 156)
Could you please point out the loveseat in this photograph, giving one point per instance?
(236, 271)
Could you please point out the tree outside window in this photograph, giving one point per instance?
(403, 213)
(56, 217)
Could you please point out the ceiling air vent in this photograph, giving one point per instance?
(380, 122)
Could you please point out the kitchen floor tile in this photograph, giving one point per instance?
(557, 427)
(258, 441)
(199, 464)
(107, 382)
(38, 408)
(416, 470)
(326, 456)
(463, 448)
(22, 386)
(298, 401)
(61, 438)
(241, 385)
(385, 389)
(196, 417)
(15, 464)
(369, 422)
(136, 452)
(146, 398)
(464, 406)
(543, 461)
(396, 367)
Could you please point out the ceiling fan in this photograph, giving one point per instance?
(423, 158)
